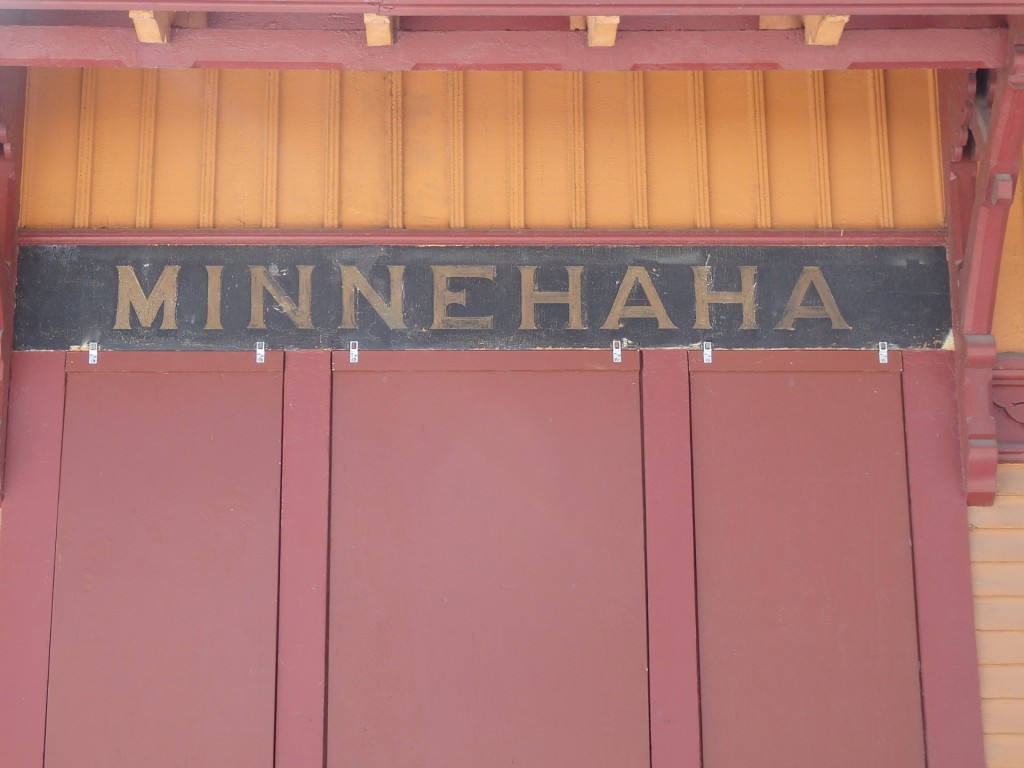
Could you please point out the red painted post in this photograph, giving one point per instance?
(302, 606)
(671, 593)
(12, 113)
(942, 568)
(26, 553)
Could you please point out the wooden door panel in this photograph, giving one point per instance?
(805, 591)
(165, 590)
(487, 596)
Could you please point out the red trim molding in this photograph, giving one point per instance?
(302, 606)
(481, 237)
(671, 589)
(999, 130)
(540, 7)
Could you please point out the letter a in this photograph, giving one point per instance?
(797, 310)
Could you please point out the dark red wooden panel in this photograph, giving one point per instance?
(671, 599)
(487, 568)
(949, 656)
(805, 591)
(27, 532)
(165, 591)
(305, 494)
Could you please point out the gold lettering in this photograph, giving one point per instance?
(353, 282)
(530, 297)
(214, 275)
(797, 310)
(637, 276)
(131, 296)
(261, 282)
(444, 297)
(704, 297)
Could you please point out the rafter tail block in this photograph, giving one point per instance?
(577, 23)
(825, 29)
(152, 26)
(379, 29)
(601, 30)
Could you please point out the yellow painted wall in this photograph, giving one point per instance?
(997, 555)
(185, 149)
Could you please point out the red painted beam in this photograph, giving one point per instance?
(542, 8)
(502, 50)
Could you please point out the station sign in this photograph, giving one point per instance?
(481, 297)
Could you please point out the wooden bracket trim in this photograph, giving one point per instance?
(1000, 129)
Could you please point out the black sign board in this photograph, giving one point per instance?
(473, 297)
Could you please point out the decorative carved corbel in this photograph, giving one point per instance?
(1008, 398)
(995, 139)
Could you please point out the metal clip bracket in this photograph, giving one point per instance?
(94, 353)
(616, 351)
(883, 352)
(707, 348)
(261, 352)
(353, 351)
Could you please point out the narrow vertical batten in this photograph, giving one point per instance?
(86, 134)
(147, 135)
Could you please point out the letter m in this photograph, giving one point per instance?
(130, 296)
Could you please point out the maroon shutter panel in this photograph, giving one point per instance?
(487, 562)
(165, 591)
(805, 593)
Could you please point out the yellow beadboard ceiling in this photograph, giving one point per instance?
(230, 149)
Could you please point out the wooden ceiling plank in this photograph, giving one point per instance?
(190, 20)
(779, 22)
